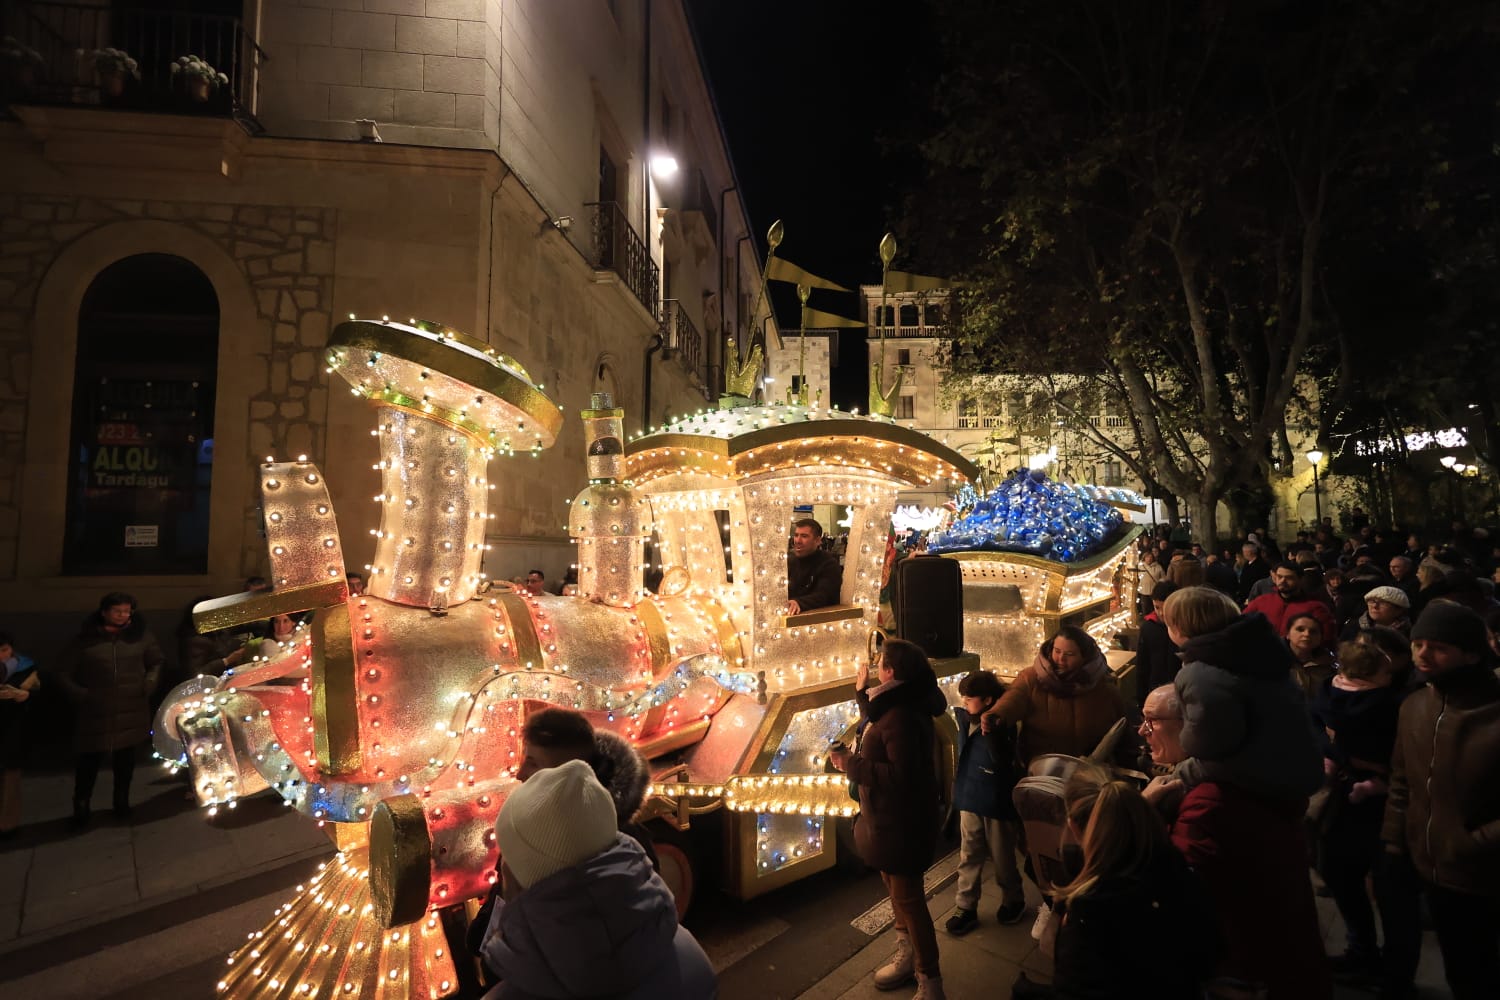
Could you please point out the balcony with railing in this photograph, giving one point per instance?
(617, 247)
(102, 56)
(681, 337)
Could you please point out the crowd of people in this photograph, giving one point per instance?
(1324, 719)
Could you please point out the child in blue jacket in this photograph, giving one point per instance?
(988, 825)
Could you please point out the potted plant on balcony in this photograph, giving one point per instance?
(198, 77)
(112, 66)
(20, 64)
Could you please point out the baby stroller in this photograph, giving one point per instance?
(1053, 855)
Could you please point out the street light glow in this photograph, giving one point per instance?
(663, 165)
(1315, 456)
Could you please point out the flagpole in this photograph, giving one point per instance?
(803, 292)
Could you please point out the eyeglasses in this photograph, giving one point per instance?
(1148, 724)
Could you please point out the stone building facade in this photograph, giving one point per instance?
(484, 206)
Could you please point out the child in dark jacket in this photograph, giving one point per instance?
(988, 826)
(1357, 709)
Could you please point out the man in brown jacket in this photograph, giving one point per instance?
(1443, 811)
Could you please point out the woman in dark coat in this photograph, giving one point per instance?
(109, 673)
(895, 769)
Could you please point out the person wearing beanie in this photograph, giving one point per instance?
(1388, 606)
(553, 736)
(582, 913)
(1442, 815)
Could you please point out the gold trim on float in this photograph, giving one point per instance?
(660, 645)
(335, 695)
(820, 616)
(400, 860)
(657, 639)
(521, 629)
(815, 438)
(682, 736)
(490, 376)
(249, 608)
(731, 644)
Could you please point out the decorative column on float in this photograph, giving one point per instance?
(608, 521)
(446, 406)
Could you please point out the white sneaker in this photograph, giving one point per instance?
(1043, 914)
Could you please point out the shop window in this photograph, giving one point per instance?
(141, 447)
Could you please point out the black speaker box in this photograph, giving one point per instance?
(929, 604)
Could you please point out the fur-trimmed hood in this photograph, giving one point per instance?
(622, 772)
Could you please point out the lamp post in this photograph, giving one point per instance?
(1315, 456)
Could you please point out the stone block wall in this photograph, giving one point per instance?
(286, 255)
(427, 71)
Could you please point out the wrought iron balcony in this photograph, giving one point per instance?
(682, 337)
(618, 248)
(53, 56)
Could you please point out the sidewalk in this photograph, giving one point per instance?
(986, 961)
(55, 880)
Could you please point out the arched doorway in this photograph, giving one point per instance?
(141, 447)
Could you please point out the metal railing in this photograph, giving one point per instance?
(618, 248)
(907, 330)
(57, 41)
(682, 336)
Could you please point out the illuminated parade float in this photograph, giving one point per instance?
(393, 718)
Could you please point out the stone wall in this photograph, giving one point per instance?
(428, 71)
(286, 256)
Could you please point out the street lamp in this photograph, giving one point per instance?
(1315, 456)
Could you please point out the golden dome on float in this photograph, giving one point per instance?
(751, 441)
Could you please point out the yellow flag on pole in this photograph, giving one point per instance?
(781, 269)
(817, 319)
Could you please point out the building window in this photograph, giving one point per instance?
(1114, 474)
(932, 315)
(140, 459)
(903, 356)
(609, 177)
(908, 316)
(906, 408)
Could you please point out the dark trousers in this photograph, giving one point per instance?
(1350, 851)
(909, 910)
(122, 762)
(1398, 893)
(1468, 932)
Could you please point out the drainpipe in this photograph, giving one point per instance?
(715, 381)
(656, 344)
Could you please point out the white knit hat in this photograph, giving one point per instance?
(1390, 595)
(558, 818)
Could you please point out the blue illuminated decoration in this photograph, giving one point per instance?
(1032, 514)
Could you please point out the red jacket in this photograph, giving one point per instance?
(1250, 855)
(1281, 612)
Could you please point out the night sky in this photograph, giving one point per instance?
(810, 94)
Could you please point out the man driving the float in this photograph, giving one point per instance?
(813, 576)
